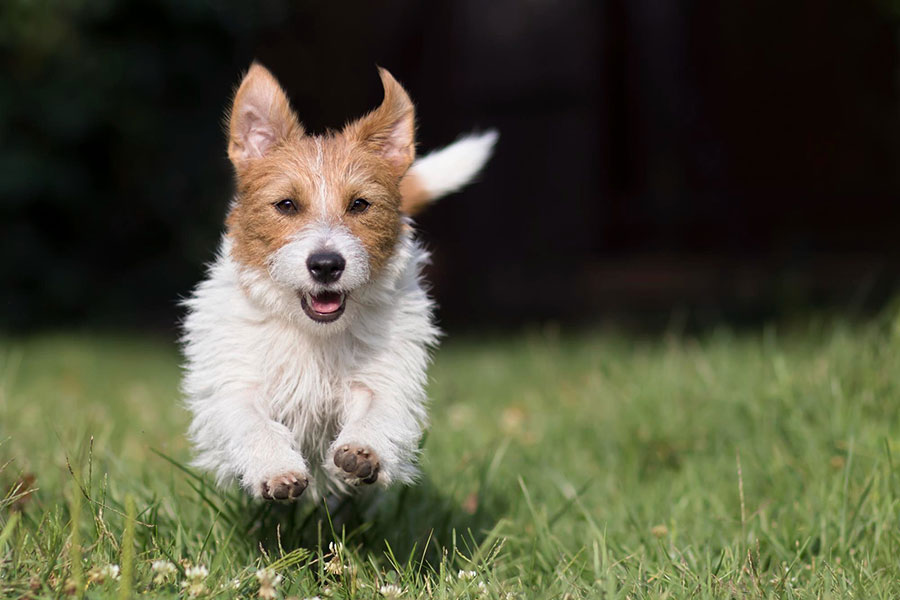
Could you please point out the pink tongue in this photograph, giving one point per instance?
(326, 302)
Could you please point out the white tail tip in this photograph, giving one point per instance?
(446, 170)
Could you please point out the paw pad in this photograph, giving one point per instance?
(288, 486)
(357, 462)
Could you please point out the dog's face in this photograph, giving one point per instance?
(319, 215)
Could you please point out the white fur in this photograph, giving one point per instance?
(269, 395)
(272, 391)
(447, 170)
(288, 265)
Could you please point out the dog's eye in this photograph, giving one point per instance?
(358, 206)
(286, 207)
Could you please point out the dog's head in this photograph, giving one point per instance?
(318, 216)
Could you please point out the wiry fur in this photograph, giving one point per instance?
(272, 392)
(446, 170)
(268, 396)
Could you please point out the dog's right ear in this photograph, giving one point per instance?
(260, 117)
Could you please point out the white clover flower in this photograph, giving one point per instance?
(467, 575)
(268, 581)
(334, 566)
(335, 547)
(101, 574)
(196, 575)
(196, 572)
(194, 588)
(391, 591)
(162, 566)
(268, 576)
(163, 571)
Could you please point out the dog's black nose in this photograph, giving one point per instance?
(325, 267)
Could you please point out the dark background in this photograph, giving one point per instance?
(703, 161)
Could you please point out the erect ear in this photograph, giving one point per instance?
(260, 117)
(389, 130)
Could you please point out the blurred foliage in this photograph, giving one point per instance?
(109, 116)
(890, 7)
(734, 159)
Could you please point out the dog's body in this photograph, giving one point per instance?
(308, 342)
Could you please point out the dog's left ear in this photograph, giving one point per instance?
(389, 130)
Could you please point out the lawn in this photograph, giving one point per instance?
(755, 464)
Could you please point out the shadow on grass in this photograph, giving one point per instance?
(411, 523)
(418, 521)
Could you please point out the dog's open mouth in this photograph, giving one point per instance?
(323, 307)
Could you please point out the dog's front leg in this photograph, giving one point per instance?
(236, 437)
(378, 440)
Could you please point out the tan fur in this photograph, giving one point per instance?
(260, 113)
(413, 195)
(322, 175)
(389, 130)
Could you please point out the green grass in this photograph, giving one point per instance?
(736, 465)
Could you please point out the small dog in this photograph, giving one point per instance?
(307, 344)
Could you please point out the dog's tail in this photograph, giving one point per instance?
(445, 171)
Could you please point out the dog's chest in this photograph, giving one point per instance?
(306, 382)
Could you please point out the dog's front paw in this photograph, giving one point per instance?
(286, 486)
(359, 464)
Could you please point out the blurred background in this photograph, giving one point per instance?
(659, 162)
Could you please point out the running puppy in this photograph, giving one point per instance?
(307, 344)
